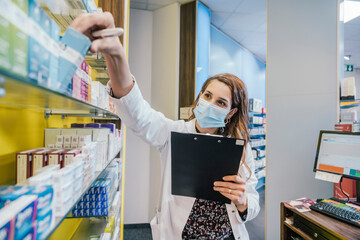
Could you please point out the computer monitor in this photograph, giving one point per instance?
(339, 153)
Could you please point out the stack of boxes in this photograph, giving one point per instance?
(14, 39)
(257, 138)
(82, 83)
(31, 43)
(30, 46)
(99, 92)
(97, 200)
(63, 182)
(95, 144)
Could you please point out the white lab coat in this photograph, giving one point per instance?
(173, 211)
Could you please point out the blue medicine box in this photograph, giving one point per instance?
(45, 53)
(34, 47)
(44, 223)
(53, 82)
(74, 46)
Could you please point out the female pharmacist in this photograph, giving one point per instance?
(225, 97)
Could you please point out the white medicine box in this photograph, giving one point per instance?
(255, 105)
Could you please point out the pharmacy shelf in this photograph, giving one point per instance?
(69, 216)
(258, 136)
(261, 182)
(90, 226)
(58, 220)
(349, 103)
(21, 92)
(261, 147)
(253, 125)
(65, 11)
(96, 60)
(257, 114)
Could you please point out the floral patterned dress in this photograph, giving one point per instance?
(207, 220)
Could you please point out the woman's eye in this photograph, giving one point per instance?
(207, 95)
(222, 104)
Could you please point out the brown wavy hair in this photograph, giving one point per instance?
(237, 127)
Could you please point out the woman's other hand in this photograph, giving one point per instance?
(88, 23)
(233, 187)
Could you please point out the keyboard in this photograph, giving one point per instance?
(338, 209)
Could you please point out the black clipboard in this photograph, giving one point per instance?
(198, 160)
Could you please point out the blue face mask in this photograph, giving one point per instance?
(209, 115)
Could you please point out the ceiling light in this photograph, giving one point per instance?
(351, 10)
(347, 57)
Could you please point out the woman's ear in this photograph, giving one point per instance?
(231, 113)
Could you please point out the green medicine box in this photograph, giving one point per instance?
(20, 47)
(5, 39)
(19, 39)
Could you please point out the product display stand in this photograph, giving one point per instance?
(257, 143)
(58, 220)
(21, 95)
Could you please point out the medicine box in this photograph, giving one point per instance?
(63, 177)
(19, 39)
(78, 125)
(74, 46)
(10, 193)
(45, 50)
(255, 105)
(101, 134)
(69, 131)
(76, 86)
(23, 164)
(45, 195)
(44, 223)
(69, 156)
(56, 157)
(67, 139)
(84, 140)
(51, 135)
(53, 82)
(34, 46)
(40, 159)
(111, 126)
(5, 49)
(6, 224)
(93, 125)
(25, 208)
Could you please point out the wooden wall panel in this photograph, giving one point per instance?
(116, 7)
(187, 77)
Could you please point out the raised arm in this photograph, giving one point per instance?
(152, 126)
(110, 47)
